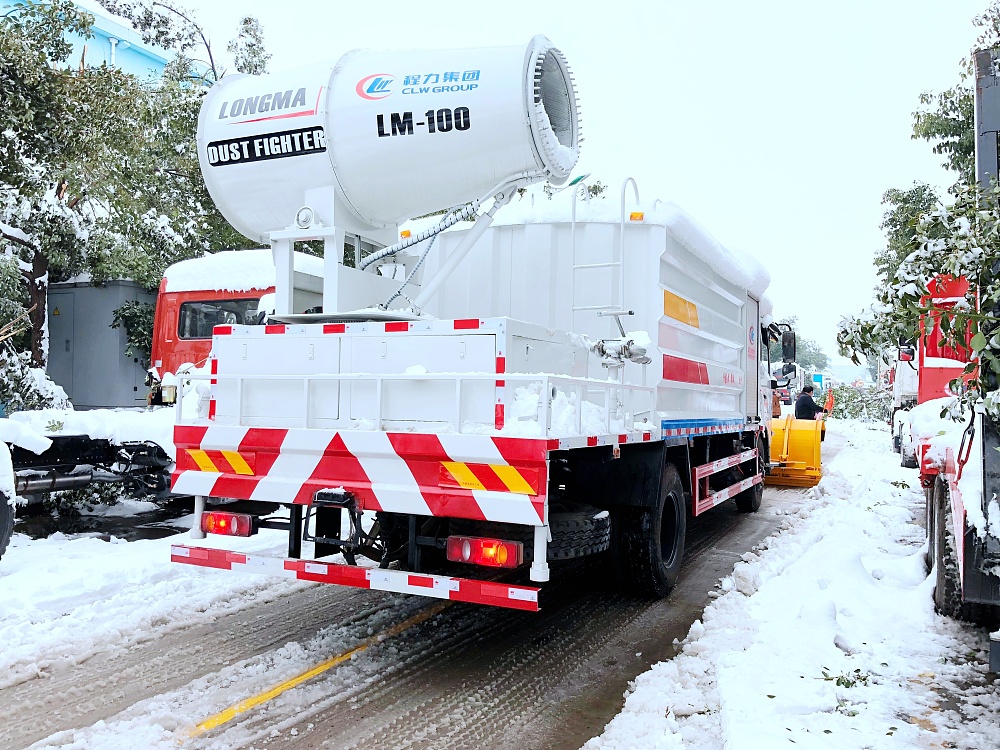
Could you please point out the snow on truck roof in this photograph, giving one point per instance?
(233, 271)
(733, 265)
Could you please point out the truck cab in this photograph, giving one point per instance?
(228, 288)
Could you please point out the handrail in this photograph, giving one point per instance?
(621, 238)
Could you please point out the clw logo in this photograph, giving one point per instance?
(375, 87)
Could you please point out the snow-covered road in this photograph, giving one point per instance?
(824, 636)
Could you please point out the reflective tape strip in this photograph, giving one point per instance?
(678, 308)
(492, 477)
(462, 475)
(202, 460)
(513, 479)
(398, 581)
(239, 464)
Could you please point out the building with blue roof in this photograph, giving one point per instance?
(113, 43)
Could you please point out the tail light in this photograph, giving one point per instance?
(494, 553)
(228, 524)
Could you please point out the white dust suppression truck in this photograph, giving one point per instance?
(471, 402)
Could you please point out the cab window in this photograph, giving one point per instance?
(197, 319)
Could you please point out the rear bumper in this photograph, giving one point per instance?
(402, 582)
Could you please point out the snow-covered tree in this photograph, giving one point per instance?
(927, 238)
(99, 170)
(66, 127)
(960, 239)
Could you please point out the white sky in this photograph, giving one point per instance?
(778, 125)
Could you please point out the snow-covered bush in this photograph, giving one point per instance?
(869, 404)
(73, 502)
(23, 387)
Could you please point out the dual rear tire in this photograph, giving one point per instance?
(647, 544)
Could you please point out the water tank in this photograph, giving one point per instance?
(397, 134)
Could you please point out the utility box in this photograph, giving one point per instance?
(86, 355)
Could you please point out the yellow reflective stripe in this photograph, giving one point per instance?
(513, 479)
(680, 309)
(463, 475)
(201, 458)
(239, 464)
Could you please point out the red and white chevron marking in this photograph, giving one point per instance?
(394, 472)
(399, 581)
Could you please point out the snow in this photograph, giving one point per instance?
(15, 234)
(825, 636)
(7, 493)
(16, 432)
(945, 362)
(117, 425)
(100, 596)
(233, 271)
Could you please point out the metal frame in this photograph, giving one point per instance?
(703, 499)
(582, 387)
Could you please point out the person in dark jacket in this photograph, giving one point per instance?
(805, 407)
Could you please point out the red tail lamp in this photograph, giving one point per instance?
(493, 553)
(227, 524)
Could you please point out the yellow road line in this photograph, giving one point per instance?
(245, 705)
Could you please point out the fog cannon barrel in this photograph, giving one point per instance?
(396, 134)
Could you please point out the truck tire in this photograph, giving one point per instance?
(947, 587)
(6, 523)
(749, 500)
(577, 531)
(647, 544)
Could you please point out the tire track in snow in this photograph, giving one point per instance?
(111, 682)
(478, 678)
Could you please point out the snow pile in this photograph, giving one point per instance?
(16, 432)
(117, 425)
(826, 636)
(98, 596)
(29, 429)
(524, 416)
(926, 423)
(233, 271)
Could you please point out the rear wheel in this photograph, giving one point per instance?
(6, 522)
(648, 543)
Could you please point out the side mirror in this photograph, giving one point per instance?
(788, 347)
(788, 368)
(906, 354)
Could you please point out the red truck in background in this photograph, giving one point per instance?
(958, 479)
(227, 288)
(937, 364)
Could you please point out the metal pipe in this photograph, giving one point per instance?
(458, 255)
(51, 482)
(199, 509)
(539, 565)
(621, 239)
